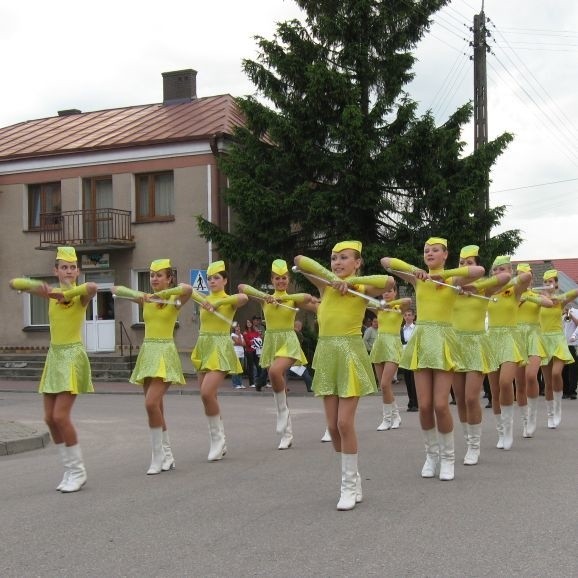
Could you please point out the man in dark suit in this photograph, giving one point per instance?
(405, 333)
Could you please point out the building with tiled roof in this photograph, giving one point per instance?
(567, 273)
(122, 186)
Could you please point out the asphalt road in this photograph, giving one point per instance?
(264, 512)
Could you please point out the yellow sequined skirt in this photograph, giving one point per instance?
(158, 358)
(215, 352)
(281, 343)
(473, 352)
(506, 345)
(431, 346)
(66, 369)
(386, 348)
(342, 367)
(556, 346)
(532, 337)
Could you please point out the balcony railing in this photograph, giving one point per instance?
(92, 228)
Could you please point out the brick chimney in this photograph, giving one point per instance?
(179, 86)
(69, 112)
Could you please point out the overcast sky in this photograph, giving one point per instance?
(93, 56)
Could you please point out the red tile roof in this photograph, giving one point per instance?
(121, 127)
(567, 266)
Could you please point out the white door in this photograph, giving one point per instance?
(99, 327)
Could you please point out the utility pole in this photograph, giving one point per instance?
(480, 91)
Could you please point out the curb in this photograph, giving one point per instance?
(16, 437)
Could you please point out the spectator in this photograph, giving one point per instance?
(251, 361)
(239, 347)
(569, 372)
(405, 334)
(370, 335)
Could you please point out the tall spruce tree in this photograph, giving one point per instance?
(334, 148)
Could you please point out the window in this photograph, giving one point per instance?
(44, 199)
(97, 199)
(154, 197)
(38, 306)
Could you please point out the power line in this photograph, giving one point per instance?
(540, 49)
(457, 85)
(444, 42)
(537, 185)
(565, 122)
(543, 31)
(564, 150)
(446, 79)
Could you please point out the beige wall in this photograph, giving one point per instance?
(179, 240)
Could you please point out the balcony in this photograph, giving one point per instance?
(92, 229)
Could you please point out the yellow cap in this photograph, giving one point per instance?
(550, 274)
(279, 267)
(469, 251)
(437, 241)
(523, 268)
(501, 260)
(215, 267)
(355, 245)
(159, 264)
(66, 254)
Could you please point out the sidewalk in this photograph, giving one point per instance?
(16, 437)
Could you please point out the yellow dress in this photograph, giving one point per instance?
(341, 362)
(504, 337)
(553, 334)
(67, 367)
(473, 352)
(529, 326)
(158, 356)
(214, 349)
(280, 338)
(387, 347)
(433, 342)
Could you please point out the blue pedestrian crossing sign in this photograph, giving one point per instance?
(199, 281)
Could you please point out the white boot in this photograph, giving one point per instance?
(358, 490)
(158, 453)
(387, 417)
(395, 417)
(432, 453)
(169, 459)
(217, 438)
(466, 432)
(474, 437)
(447, 455)
(557, 408)
(282, 411)
(508, 425)
(524, 411)
(326, 436)
(500, 430)
(550, 410)
(76, 470)
(287, 439)
(63, 457)
(348, 497)
(532, 417)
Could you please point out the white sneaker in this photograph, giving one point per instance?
(252, 385)
(238, 387)
(268, 385)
